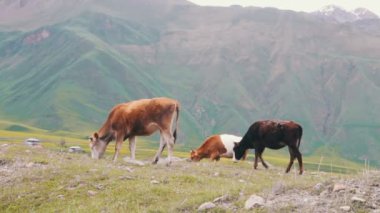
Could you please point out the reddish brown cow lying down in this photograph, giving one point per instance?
(138, 118)
(216, 146)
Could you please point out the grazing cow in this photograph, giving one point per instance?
(274, 135)
(138, 118)
(216, 146)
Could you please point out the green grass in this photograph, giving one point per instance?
(50, 179)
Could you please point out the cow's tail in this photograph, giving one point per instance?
(175, 121)
(299, 136)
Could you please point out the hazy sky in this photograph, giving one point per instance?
(297, 5)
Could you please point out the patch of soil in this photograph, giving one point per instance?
(4, 162)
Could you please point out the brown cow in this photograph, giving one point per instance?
(216, 146)
(274, 135)
(138, 118)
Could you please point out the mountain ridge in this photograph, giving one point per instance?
(227, 66)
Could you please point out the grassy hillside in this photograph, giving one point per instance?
(227, 66)
(32, 176)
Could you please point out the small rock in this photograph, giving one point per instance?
(318, 186)
(32, 141)
(135, 162)
(207, 205)
(241, 181)
(324, 193)
(357, 199)
(91, 193)
(345, 208)
(339, 187)
(216, 174)
(254, 201)
(221, 199)
(165, 161)
(126, 168)
(177, 159)
(61, 196)
(278, 188)
(126, 177)
(4, 145)
(99, 187)
(31, 164)
(76, 149)
(154, 182)
(373, 206)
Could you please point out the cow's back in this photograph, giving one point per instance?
(276, 134)
(212, 144)
(228, 142)
(160, 108)
(138, 114)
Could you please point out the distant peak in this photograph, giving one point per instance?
(363, 13)
(330, 8)
(341, 15)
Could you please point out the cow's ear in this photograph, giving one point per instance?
(96, 136)
(191, 151)
(235, 144)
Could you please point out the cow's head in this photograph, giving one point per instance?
(238, 151)
(194, 155)
(97, 146)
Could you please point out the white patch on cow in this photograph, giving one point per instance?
(95, 154)
(228, 142)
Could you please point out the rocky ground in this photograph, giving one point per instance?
(358, 194)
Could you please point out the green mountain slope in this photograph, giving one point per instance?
(227, 66)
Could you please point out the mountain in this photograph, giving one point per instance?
(338, 14)
(64, 64)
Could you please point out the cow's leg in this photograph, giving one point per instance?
(132, 147)
(215, 156)
(256, 158)
(119, 142)
(245, 154)
(260, 151)
(292, 157)
(160, 149)
(299, 158)
(169, 138)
